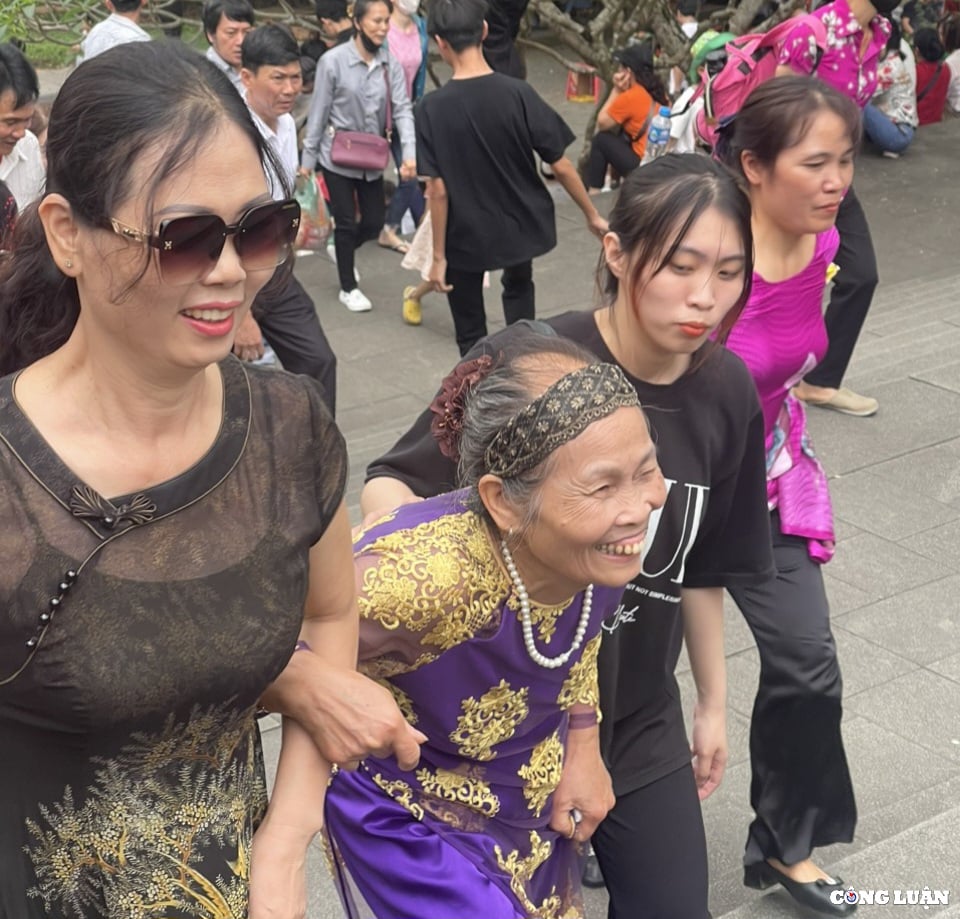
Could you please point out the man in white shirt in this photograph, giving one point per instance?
(226, 23)
(120, 27)
(21, 166)
(283, 312)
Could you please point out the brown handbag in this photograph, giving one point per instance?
(360, 150)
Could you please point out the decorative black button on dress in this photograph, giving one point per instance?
(136, 634)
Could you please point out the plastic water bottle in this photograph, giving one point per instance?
(659, 135)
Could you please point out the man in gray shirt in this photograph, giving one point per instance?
(225, 23)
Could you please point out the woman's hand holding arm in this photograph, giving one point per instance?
(347, 714)
(703, 633)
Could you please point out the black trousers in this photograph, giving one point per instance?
(852, 293)
(801, 790)
(610, 149)
(289, 322)
(347, 197)
(466, 301)
(652, 851)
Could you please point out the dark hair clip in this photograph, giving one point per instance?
(448, 406)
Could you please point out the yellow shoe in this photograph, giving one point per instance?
(411, 307)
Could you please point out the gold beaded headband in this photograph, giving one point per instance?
(563, 412)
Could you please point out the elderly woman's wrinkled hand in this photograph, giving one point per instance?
(585, 787)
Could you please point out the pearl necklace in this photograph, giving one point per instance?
(550, 663)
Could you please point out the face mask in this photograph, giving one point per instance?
(368, 43)
(408, 7)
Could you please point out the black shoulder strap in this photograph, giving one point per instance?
(932, 83)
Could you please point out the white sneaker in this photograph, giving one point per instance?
(355, 301)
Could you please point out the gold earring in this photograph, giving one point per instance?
(68, 263)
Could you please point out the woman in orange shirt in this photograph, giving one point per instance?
(622, 121)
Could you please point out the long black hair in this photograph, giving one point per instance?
(135, 100)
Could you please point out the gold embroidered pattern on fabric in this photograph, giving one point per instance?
(542, 774)
(401, 792)
(580, 686)
(126, 844)
(404, 702)
(468, 790)
(521, 871)
(439, 579)
(489, 721)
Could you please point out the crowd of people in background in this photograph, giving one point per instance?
(177, 548)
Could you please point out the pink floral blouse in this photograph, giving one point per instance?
(841, 66)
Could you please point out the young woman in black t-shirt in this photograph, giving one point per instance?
(677, 268)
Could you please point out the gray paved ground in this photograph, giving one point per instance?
(895, 583)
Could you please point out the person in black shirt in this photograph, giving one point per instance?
(500, 44)
(476, 139)
(336, 27)
(668, 285)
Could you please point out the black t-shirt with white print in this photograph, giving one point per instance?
(713, 531)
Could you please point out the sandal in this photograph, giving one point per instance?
(390, 240)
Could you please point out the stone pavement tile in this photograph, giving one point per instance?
(921, 299)
(948, 667)
(323, 901)
(743, 678)
(843, 529)
(391, 338)
(875, 505)
(907, 353)
(880, 568)
(843, 597)
(946, 376)
(923, 316)
(910, 809)
(933, 472)
(372, 381)
(921, 856)
(886, 767)
(907, 775)
(864, 663)
(921, 705)
(922, 625)
(911, 417)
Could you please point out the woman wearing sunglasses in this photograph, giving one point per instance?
(165, 525)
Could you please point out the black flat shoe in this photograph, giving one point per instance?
(815, 895)
(592, 877)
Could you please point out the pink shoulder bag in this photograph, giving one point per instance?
(360, 150)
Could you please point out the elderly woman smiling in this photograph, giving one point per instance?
(481, 610)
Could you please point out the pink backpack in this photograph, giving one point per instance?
(751, 60)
